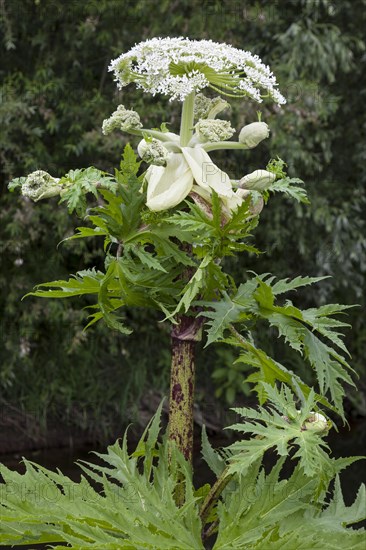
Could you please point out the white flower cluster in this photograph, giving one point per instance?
(178, 66)
(40, 185)
(153, 152)
(214, 130)
(122, 119)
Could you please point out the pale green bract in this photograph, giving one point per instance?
(176, 67)
(191, 167)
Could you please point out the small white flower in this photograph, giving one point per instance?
(177, 67)
(259, 180)
(252, 134)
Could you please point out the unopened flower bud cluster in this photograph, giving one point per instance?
(214, 130)
(153, 152)
(122, 119)
(205, 107)
(40, 185)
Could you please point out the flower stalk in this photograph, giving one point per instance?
(187, 121)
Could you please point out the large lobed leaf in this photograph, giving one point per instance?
(134, 507)
(314, 332)
(267, 512)
(281, 427)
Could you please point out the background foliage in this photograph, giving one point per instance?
(55, 93)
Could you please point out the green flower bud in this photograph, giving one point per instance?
(317, 423)
(121, 119)
(214, 130)
(254, 133)
(153, 152)
(259, 180)
(40, 185)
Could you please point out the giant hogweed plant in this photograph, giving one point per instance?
(166, 232)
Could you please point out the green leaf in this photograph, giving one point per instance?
(271, 371)
(300, 330)
(303, 331)
(223, 313)
(286, 285)
(248, 513)
(77, 183)
(279, 427)
(16, 183)
(84, 282)
(288, 187)
(194, 286)
(289, 518)
(106, 305)
(212, 458)
(86, 232)
(148, 259)
(210, 233)
(127, 506)
(129, 164)
(347, 515)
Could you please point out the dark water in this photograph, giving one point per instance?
(347, 442)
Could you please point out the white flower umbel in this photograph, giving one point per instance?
(176, 67)
(180, 164)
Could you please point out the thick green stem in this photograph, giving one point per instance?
(182, 379)
(187, 122)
